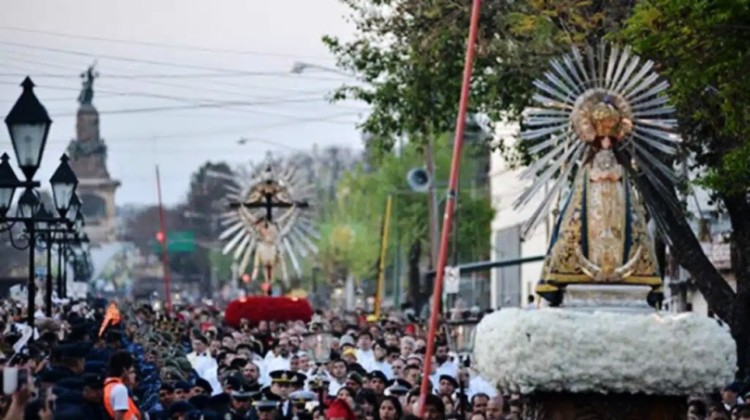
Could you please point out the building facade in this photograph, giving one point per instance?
(510, 286)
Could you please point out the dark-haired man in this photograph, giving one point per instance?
(121, 374)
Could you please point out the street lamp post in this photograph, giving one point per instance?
(28, 125)
(64, 240)
(54, 231)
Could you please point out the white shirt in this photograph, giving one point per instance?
(273, 363)
(277, 363)
(207, 368)
(478, 385)
(334, 387)
(119, 397)
(448, 368)
(366, 358)
(384, 367)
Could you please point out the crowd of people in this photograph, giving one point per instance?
(97, 360)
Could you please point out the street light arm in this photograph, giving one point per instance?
(21, 246)
(300, 67)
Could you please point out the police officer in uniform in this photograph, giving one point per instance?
(299, 382)
(281, 386)
(267, 406)
(241, 403)
(319, 384)
(300, 403)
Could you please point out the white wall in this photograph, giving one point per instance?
(505, 187)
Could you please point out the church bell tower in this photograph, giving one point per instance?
(88, 155)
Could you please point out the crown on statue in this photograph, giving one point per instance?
(607, 120)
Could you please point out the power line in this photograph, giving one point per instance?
(235, 131)
(76, 71)
(216, 104)
(160, 45)
(271, 99)
(162, 76)
(151, 62)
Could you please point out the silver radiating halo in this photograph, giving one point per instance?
(239, 234)
(604, 70)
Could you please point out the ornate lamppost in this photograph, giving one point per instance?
(28, 125)
(318, 342)
(461, 332)
(74, 223)
(76, 248)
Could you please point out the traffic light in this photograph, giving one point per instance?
(160, 237)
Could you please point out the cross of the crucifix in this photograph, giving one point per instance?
(268, 203)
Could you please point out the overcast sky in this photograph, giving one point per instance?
(181, 81)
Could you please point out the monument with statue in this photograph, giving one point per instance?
(600, 348)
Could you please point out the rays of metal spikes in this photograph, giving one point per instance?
(608, 70)
(296, 234)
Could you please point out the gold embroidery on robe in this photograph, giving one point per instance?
(601, 236)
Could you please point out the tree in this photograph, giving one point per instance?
(407, 55)
(350, 233)
(204, 204)
(701, 48)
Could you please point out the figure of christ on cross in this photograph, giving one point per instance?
(268, 195)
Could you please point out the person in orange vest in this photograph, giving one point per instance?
(121, 374)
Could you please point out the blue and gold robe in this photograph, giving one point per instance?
(600, 236)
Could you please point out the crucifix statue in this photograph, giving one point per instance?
(269, 194)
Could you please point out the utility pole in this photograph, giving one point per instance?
(164, 245)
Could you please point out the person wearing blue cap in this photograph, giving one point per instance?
(166, 399)
(70, 359)
(281, 385)
(266, 405)
(730, 395)
(182, 390)
(179, 410)
(299, 400)
(378, 382)
(93, 395)
(241, 404)
(201, 387)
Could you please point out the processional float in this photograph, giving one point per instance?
(268, 222)
(602, 350)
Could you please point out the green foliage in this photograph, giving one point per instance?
(350, 236)
(222, 264)
(702, 49)
(409, 57)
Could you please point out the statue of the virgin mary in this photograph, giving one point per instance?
(593, 109)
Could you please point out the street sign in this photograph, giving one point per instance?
(452, 279)
(177, 241)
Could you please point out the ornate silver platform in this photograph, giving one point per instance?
(614, 298)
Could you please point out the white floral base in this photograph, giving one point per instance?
(558, 350)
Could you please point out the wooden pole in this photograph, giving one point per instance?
(383, 253)
(163, 240)
(449, 205)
